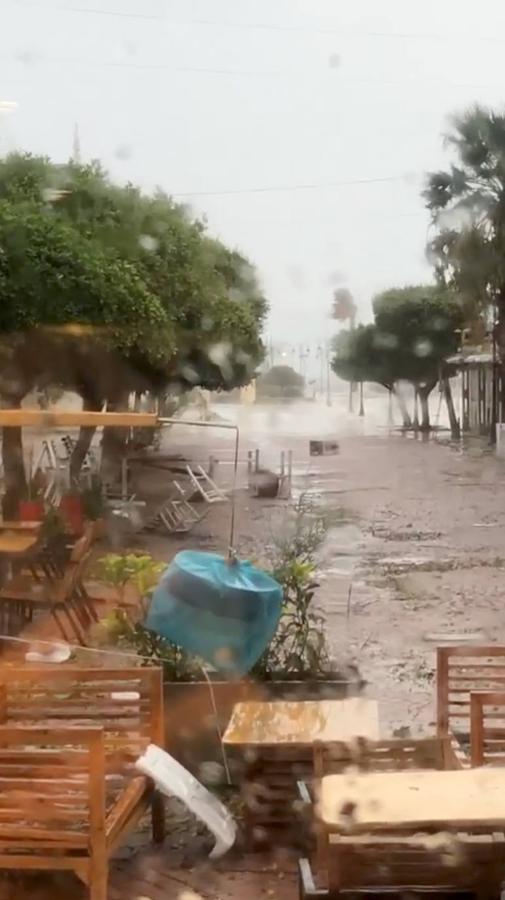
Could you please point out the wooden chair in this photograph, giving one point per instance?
(390, 755)
(69, 791)
(62, 597)
(461, 671)
(400, 863)
(487, 728)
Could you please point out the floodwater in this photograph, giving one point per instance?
(317, 419)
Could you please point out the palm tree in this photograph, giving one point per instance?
(468, 206)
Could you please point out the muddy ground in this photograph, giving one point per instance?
(415, 555)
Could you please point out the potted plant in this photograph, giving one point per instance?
(132, 575)
(31, 507)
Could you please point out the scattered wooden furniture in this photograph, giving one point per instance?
(69, 790)
(18, 540)
(389, 755)
(413, 829)
(274, 742)
(460, 671)
(487, 728)
(65, 598)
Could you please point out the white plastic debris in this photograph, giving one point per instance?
(174, 780)
(56, 653)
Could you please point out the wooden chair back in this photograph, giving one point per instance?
(390, 755)
(460, 671)
(52, 789)
(487, 728)
(126, 703)
(81, 546)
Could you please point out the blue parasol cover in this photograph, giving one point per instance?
(225, 613)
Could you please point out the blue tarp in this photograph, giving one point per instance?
(225, 613)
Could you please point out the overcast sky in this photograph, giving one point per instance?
(214, 98)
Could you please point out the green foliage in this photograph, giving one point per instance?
(468, 206)
(280, 381)
(298, 649)
(205, 299)
(177, 664)
(415, 329)
(141, 571)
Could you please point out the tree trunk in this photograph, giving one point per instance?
(453, 419)
(13, 465)
(91, 403)
(407, 421)
(424, 394)
(114, 443)
(416, 409)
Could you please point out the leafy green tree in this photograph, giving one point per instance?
(467, 202)
(208, 296)
(415, 329)
(280, 381)
(67, 311)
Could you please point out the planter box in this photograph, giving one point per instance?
(190, 726)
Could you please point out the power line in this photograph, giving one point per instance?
(252, 73)
(270, 26)
(314, 186)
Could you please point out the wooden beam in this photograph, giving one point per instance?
(40, 418)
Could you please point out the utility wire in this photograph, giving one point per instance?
(270, 26)
(314, 186)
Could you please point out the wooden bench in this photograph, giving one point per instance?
(69, 791)
(460, 671)
(487, 728)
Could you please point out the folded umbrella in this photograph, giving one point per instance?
(223, 611)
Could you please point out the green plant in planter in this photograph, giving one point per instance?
(298, 650)
(141, 571)
(177, 664)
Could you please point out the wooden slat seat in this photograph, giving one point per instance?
(68, 787)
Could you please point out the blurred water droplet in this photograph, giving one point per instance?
(456, 219)
(423, 347)
(130, 48)
(384, 341)
(148, 242)
(296, 277)
(8, 106)
(123, 152)
(335, 277)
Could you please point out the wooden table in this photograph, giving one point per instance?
(18, 538)
(303, 722)
(471, 799)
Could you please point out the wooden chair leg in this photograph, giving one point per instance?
(158, 818)
(98, 880)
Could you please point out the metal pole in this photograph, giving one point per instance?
(328, 378)
(361, 406)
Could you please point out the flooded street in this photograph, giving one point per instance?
(414, 556)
